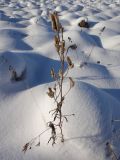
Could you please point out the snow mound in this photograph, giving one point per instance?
(95, 109)
(115, 42)
(92, 107)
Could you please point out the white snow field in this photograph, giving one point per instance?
(27, 45)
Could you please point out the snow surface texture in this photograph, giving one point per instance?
(26, 43)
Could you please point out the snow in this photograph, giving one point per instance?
(27, 44)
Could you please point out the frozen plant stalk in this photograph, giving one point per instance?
(56, 92)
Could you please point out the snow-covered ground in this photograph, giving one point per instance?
(26, 44)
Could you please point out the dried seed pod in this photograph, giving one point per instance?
(62, 47)
(62, 30)
(70, 64)
(57, 46)
(52, 73)
(53, 21)
(58, 25)
(50, 93)
(60, 73)
(72, 83)
(56, 40)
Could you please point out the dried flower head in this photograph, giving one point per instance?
(60, 73)
(57, 21)
(50, 93)
(62, 47)
(52, 73)
(54, 25)
(57, 43)
(56, 40)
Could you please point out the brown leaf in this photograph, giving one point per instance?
(62, 47)
(56, 40)
(57, 21)
(52, 73)
(53, 21)
(70, 64)
(50, 93)
(60, 73)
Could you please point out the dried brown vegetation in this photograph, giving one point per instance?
(56, 92)
(15, 76)
(83, 24)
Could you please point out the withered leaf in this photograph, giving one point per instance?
(70, 64)
(53, 20)
(50, 93)
(52, 73)
(60, 73)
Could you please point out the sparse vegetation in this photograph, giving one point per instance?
(84, 24)
(14, 76)
(40, 103)
(13, 73)
(56, 92)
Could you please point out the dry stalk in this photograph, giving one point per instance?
(56, 92)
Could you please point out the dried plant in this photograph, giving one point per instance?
(56, 92)
(83, 24)
(35, 141)
(15, 76)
